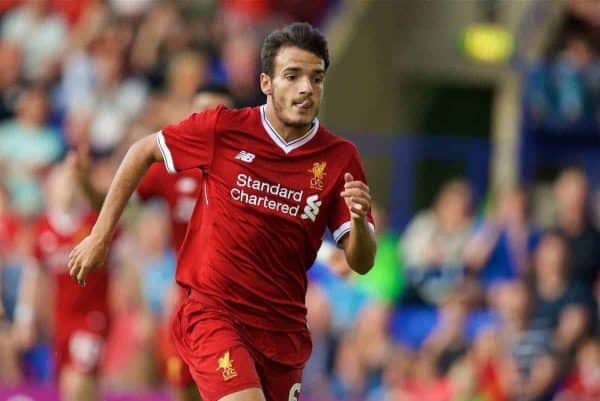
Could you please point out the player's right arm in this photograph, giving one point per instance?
(91, 253)
(186, 145)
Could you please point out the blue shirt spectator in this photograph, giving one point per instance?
(27, 147)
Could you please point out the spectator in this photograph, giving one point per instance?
(464, 382)
(385, 281)
(532, 363)
(27, 147)
(434, 243)
(574, 100)
(344, 298)
(425, 382)
(77, 125)
(162, 34)
(110, 99)
(447, 340)
(373, 341)
(315, 381)
(583, 239)
(74, 12)
(9, 224)
(10, 79)
(240, 59)
(395, 375)
(212, 94)
(186, 73)
(557, 304)
(562, 93)
(128, 363)
(583, 383)
(19, 320)
(487, 359)
(597, 304)
(501, 247)
(351, 379)
(129, 8)
(157, 265)
(311, 12)
(77, 75)
(41, 34)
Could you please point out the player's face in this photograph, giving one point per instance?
(296, 87)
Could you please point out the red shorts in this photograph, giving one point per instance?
(80, 349)
(225, 356)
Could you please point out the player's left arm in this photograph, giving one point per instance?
(359, 243)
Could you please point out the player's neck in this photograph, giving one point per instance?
(287, 132)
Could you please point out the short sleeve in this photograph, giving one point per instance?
(190, 143)
(339, 222)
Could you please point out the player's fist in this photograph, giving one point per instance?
(357, 197)
(87, 256)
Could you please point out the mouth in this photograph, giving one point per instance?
(303, 105)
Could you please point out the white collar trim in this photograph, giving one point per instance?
(287, 147)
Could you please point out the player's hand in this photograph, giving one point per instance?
(89, 255)
(357, 197)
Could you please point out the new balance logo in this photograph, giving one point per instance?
(311, 210)
(245, 156)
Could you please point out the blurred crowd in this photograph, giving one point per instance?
(469, 303)
(465, 305)
(562, 91)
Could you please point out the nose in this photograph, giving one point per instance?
(306, 86)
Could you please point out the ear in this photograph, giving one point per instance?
(265, 84)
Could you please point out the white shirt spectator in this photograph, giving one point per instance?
(41, 38)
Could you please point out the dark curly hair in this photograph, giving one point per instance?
(299, 34)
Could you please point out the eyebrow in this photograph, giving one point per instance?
(298, 69)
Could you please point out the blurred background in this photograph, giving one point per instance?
(479, 125)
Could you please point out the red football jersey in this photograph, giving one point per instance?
(180, 191)
(265, 208)
(75, 307)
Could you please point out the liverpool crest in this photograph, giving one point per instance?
(318, 172)
(226, 363)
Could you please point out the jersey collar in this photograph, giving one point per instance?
(287, 147)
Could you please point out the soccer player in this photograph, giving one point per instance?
(180, 192)
(80, 315)
(275, 179)
(211, 95)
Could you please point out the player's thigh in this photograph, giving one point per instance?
(280, 383)
(251, 394)
(219, 361)
(223, 369)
